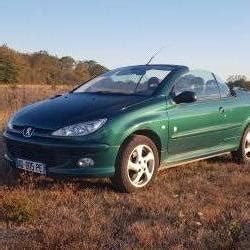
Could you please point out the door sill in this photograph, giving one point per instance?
(171, 165)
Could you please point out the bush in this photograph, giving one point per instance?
(8, 71)
(17, 210)
(235, 230)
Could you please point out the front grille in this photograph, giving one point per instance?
(50, 157)
(37, 131)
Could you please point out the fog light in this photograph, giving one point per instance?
(85, 162)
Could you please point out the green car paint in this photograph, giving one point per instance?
(182, 132)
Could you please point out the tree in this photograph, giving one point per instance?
(248, 85)
(238, 81)
(82, 72)
(8, 71)
(95, 68)
(236, 77)
(67, 63)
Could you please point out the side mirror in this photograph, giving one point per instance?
(185, 97)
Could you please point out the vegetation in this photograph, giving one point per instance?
(203, 205)
(239, 81)
(8, 71)
(17, 209)
(43, 68)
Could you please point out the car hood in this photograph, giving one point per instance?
(72, 108)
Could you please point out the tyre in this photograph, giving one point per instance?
(137, 164)
(242, 155)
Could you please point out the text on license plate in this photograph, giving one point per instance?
(32, 166)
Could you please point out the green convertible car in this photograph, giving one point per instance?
(128, 122)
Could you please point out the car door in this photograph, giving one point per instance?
(195, 128)
(234, 115)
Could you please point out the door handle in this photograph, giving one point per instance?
(221, 110)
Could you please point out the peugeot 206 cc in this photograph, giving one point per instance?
(129, 123)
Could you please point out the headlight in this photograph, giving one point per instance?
(10, 123)
(80, 129)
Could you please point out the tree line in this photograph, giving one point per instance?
(43, 68)
(238, 81)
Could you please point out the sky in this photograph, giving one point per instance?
(213, 35)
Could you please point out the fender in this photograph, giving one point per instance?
(153, 117)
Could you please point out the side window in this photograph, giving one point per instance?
(224, 89)
(202, 83)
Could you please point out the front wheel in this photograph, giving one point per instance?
(242, 155)
(137, 164)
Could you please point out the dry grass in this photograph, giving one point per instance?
(204, 205)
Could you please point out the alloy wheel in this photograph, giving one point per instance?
(247, 146)
(141, 164)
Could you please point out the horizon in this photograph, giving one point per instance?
(208, 35)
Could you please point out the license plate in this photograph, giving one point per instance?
(32, 166)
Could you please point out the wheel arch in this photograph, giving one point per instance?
(153, 136)
(245, 126)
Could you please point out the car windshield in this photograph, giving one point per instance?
(140, 80)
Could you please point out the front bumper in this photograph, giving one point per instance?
(61, 155)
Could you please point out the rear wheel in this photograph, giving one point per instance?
(137, 164)
(242, 155)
